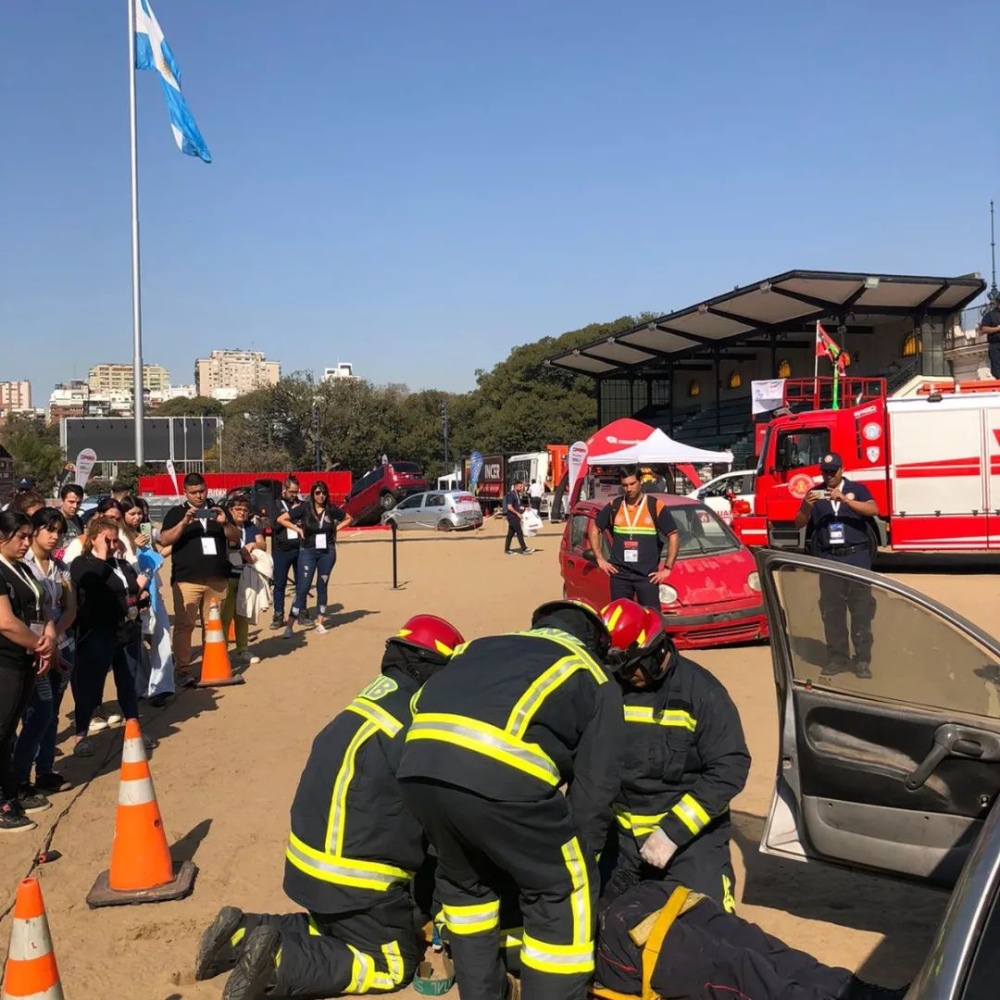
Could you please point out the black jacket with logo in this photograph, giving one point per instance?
(513, 717)
(352, 840)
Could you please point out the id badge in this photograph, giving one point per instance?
(208, 547)
(321, 540)
(835, 531)
(631, 552)
(38, 628)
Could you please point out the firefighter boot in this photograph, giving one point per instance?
(256, 971)
(858, 989)
(217, 950)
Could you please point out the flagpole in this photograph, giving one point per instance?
(137, 380)
(816, 359)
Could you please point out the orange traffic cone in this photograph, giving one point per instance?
(141, 868)
(231, 634)
(31, 970)
(215, 668)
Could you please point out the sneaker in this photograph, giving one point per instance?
(305, 616)
(97, 724)
(30, 801)
(526, 552)
(835, 665)
(148, 742)
(507, 552)
(256, 971)
(243, 658)
(159, 700)
(13, 820)
(863, 669)
(288, 633)
(217, 952)
(320, 628)
(278, 621)
(115, 719)
(50, 782)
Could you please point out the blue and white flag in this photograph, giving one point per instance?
(152, 52)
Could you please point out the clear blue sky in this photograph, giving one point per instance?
(418, 186)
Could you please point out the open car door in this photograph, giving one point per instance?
(896, 772)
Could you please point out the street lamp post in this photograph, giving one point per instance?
(444, 428)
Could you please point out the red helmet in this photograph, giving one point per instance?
(601, 638)
(430, 633)
(638, 638)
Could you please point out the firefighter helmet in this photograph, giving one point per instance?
(429, 633)
(599, 630)
(638, 639)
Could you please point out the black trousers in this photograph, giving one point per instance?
(837, 598)
(483, 845)
(703, 864)
(16, 687)
(514, 530)
(641, 591)
(709, 954)
(367, 951)
(993, 348)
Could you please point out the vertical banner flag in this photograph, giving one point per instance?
(85, 462)
(767, 394)
(173, 478)
(577, 462)
(475, 468)
(153, 52)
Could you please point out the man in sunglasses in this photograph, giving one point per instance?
(838, 515)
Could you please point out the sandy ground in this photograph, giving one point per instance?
(229, 760)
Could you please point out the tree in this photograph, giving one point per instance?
(35, 448)
(199, 406)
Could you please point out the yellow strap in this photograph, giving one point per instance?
(651, 949)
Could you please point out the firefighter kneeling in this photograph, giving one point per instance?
(352, 852)
(494, 736)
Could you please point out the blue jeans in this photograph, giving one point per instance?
(95, 653)
(283, 563)
(36, 743)
(313, 561)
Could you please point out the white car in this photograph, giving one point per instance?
(714, 492)
(445, 510)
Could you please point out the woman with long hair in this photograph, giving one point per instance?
(27, 645)
(316, 522)
(36, 743)
(110, 596)
(240, 554)
(135, 513)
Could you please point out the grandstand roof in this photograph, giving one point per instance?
(786, 303)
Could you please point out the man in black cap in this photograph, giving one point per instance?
(838, 516)
(990, 325)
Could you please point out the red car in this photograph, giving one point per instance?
(381, 489)
(713, 596)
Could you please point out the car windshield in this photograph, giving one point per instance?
(702, 533)
(408, 468)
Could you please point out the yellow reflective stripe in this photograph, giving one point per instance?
(633, 531)
(538, 690)
(376, 714)
(393, 961)
(338, 805)
(559, 959)
(691, 814)
(572, 645)
(365, 976)
(579, 899)
(343, 871)
(639, 826)
(661, 717)
(362, 971)
(482, 738)
(510, 938)
(474, 918)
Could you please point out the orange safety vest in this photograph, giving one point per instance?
(639, 522)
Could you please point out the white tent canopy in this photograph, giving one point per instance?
(659, 449)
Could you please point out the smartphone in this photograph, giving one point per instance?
(146, 529)
(205, 513)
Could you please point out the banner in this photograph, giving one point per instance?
(173, 478)
(85, 462)
(577, 462)
(767, 395)
(475, 468)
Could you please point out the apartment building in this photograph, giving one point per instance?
(242, 371)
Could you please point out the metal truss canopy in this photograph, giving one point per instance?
(780, 305)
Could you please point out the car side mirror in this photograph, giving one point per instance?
(590, 556)
(702, 494)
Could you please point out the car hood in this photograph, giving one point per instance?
(719, 579)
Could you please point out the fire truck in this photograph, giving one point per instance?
(929, 454)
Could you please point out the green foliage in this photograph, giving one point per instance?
(34, 446)
(200, 406)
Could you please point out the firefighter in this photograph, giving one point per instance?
(683, 944)
(351, 855)
(640, 531)
(494, 736)
(685, 759)
(838, 517)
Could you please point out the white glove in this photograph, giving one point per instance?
(658, 849)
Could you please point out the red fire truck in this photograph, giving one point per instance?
(929, 454)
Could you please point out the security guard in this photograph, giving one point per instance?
(494, 736)
(685, 760)
(679, 943)
(640, 530)
(838, 518)
(990, 325)
(351, 855)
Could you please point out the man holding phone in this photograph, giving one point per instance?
(838, 515)
(197, 533)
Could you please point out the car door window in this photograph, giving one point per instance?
(434, 500)
(985, 968)
(410, 503)
(918, 657)
(801, 448)
(578, 531)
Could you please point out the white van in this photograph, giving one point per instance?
(713, 493)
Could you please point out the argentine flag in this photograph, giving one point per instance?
(152, 52)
